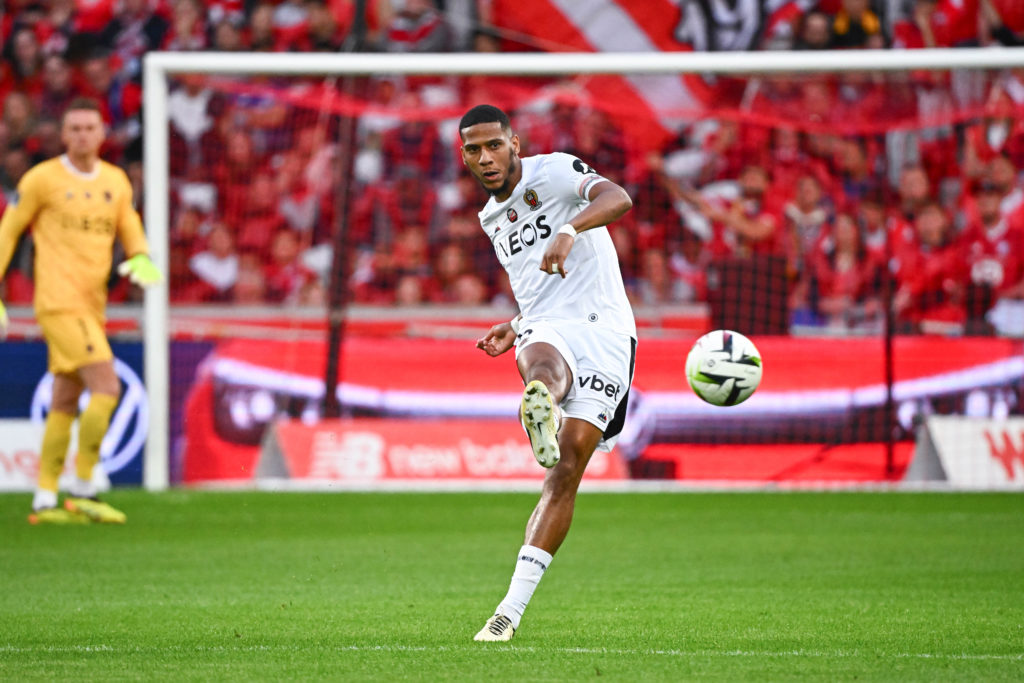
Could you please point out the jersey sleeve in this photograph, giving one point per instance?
(19, 215)
(571, 177)
(129, 223)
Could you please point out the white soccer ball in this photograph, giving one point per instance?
(724, 368)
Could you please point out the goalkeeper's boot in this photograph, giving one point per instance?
(96, 510)
(57, 516)
(498, 629)
(541, 419)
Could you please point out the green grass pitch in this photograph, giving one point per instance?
(763, 586)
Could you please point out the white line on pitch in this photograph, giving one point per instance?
(116, 649)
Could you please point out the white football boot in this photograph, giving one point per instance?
(541, 419)
(498, 629)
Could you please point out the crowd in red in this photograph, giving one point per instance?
(255, 176)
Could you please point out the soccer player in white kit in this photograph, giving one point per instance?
(575, 337)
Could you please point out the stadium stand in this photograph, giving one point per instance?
(809, 190)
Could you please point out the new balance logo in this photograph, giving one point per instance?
(595, 383)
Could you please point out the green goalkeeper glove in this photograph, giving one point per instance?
(140, 270)
(3, 320)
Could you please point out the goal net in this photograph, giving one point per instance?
(857, 214)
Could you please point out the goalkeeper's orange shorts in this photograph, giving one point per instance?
(74, 340)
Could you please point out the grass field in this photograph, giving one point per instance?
(257, 586)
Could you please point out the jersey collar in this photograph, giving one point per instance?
(66, 161)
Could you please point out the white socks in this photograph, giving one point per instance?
(530, 568)
(44, 499)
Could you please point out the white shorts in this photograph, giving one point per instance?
(601, 363)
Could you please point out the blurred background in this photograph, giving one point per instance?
(866, 230)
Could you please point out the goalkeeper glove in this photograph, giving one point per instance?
(3, 320)
(140, 270)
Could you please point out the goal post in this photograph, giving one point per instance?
(160, 67)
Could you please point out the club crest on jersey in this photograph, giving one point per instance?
(512, 215)
(109, 197)
(531, 198)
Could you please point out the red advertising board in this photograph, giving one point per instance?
(367, 450)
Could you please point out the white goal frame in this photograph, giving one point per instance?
(159, 66)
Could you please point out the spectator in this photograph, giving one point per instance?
(993, 247)
(217, 266)
(748, 224)
(658, 285)
(45, 141)
(999, 133)
(227, 37)
(469, 290)
(18, 119)
(285, 275)
(451, 263)
(805, 217)
(814, 32)
(57, 92)
(192, 110)
(1003, 174)
(417, 26)
(856, 176)
(1003, 21)
(260, 218)
(928, 288)
(871, 221)
(937, 23)
(914, 192)
(855, 24)
(233, 172)
(134, 30)
(15, 162)
(414, 144)
(409, 291)
(323, 34)
(188, 30)
(297, 203)
(843, 276)
(231, 12)
(121, 101)
(374, 276)
(251, 285)
(261, 29)
(26, 62)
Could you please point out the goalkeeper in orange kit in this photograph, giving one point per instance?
(76, 204)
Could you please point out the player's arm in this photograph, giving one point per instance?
(499, 338)
(16, 219)
(608, 203)
(137, 267)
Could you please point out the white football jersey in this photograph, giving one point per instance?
(552, 191)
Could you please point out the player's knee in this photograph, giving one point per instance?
(551, 374)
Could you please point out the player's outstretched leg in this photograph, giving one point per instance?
(541, 419)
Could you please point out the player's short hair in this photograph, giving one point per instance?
(82, 104)
(485, 113)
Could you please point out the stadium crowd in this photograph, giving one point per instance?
(254, 174)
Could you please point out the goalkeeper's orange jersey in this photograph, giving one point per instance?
(74, 218)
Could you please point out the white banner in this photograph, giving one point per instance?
(970, 452)
(19, 457)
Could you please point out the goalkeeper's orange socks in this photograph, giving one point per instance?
(56, 437)
(92, 427)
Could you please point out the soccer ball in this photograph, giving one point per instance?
(724, 368)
